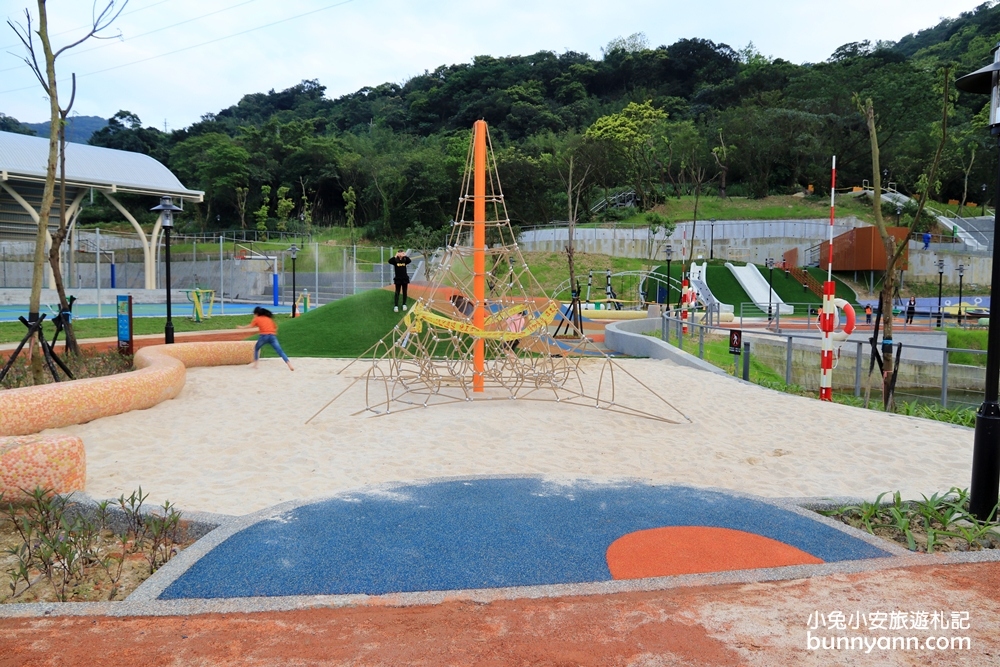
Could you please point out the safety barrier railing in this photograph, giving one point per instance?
(675, 329)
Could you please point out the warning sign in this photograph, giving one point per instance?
(735, 342)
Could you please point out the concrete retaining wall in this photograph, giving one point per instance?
(629, 338)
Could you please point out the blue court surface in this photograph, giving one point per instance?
(178, 310)
(500, 532)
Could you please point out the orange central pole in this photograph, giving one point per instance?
(479, 249)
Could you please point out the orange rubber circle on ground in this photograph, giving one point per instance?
(672, 550)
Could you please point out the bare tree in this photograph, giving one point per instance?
(100, 20)
(575, 192)
(893, 251)
(721, 155)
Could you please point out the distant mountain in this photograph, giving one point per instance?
(951, 37)
(78, 129)
(11, 124)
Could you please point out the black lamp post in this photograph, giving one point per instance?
(711, 243)
(961, 273)
(769, 263)
(983, 189)
(940, 280)
(899, 214)
(166, 209)
(986, 444)
(669, 250)
(294, 251)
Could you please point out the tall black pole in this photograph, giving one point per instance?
(168, 330)
(668, 283)
(711, 244)
(770, 276)
(986, 443)
(940, 314)
(295, 304)
(960, 320)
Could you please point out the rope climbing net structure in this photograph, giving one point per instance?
(480, 330)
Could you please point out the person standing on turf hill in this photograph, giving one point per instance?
(401, 279)
(263, 319)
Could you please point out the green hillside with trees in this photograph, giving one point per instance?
(693, 117)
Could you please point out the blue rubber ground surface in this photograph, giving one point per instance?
(476, 534)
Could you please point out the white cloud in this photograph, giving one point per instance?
(368, 42)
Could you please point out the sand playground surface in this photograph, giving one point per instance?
(235, 440)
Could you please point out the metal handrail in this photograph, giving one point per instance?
(678, 324)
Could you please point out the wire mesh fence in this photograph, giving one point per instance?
(236, 268)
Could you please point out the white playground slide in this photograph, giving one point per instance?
(755, 285)
(700, 285)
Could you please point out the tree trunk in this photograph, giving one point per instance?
(570, 228)
(965, 181)
(894, 252)
(48, 193)
(60, 236)
(889, 282)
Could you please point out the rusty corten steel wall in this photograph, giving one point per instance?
(861, 249)
(791, 257)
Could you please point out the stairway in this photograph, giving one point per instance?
(805, 278)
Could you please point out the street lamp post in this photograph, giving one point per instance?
(294, 250)
(940, 264)
(669, 250)
(166, 209)
(983, 189)
(961, 273)
(899, 214)
(986, 443)
(711, 243)
(769, 263)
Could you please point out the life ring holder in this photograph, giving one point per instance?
(849, 324)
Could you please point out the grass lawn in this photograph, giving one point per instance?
(344, 328)
(717, 354)
(969, 339)
(551, 270)
(778, 207)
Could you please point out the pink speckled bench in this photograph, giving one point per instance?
(54, 462)
(159, 376)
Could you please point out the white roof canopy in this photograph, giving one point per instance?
(24, 158)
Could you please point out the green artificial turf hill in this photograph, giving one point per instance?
(344, 328)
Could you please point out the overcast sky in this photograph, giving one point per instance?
(179, 59)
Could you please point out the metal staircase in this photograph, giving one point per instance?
(805, 278)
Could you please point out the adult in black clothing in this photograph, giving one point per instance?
(911, 309)
(401, 279)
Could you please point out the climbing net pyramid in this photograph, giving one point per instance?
(480, 330)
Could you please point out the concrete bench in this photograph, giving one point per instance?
(159, 376)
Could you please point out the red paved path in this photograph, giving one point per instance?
(735, 624)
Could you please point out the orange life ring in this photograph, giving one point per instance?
(851, 319)
(849, 325)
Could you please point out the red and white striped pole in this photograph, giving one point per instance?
(826, 319)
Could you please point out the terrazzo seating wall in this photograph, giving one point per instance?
(54, 462)
(159, 375)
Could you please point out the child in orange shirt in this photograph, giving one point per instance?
(263, 319)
